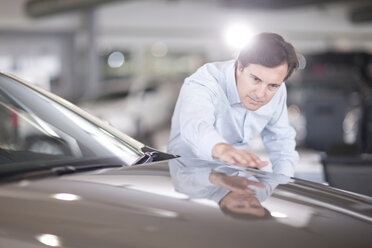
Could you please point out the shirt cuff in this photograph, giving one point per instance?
(285, 169)
(209, 141)
(218, 194)
(203, 178)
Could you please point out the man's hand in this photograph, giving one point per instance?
(227, 153)
(234, 183)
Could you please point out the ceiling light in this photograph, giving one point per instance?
(238, 35)
(116, 59)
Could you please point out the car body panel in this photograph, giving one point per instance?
(138, 207)
(76, 201)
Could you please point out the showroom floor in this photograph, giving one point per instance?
(310, 167)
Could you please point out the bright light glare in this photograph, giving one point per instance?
(278, 215)
(165, 213)
(116, 59)
(237, 36)
(49, 239)
(66, 197)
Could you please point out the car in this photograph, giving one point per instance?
(67, 179)
(330, 92)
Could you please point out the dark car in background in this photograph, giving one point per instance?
(68, 179)
(333, 92)
(331, 108)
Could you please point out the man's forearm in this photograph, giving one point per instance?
(228, 154)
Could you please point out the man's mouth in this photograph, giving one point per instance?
(255, 100)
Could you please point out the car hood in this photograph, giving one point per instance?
(139, 207)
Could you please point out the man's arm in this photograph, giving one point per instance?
(234, 183)
(200, 99)
(197, 118)
(227, 153)
(279, 139)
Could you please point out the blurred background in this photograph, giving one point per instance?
(125, 61)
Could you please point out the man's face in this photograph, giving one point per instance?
(258, 84)
(242, 203)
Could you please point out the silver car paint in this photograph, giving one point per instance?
(119, 208)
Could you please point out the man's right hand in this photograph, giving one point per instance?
(228, 154)
(234, 183)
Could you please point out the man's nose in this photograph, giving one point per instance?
(260, 90)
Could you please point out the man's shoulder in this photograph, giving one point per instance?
(220, 66)
(281, 94)
(211, 74)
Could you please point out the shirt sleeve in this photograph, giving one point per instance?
(197, 117)
(279, 139)
(191, 177)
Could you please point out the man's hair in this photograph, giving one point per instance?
(269, 50)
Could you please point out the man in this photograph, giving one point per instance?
(238, 192)
(224, 105)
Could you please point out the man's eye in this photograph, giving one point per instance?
(239, 206)
(255, 206)
(256, 79)
(273, 87)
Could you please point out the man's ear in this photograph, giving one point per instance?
(240, 66)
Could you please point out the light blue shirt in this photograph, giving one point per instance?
(209, 111)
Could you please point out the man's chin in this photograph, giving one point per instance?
(252, 107)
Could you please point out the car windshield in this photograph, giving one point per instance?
(39, 129)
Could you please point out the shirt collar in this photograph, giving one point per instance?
(231, 89)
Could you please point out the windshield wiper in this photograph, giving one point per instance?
(152, 155)
(147, 157)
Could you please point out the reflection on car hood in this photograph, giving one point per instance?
(138, 207)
